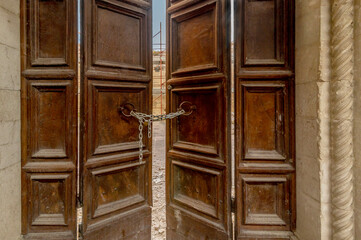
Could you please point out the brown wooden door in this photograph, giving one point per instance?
(264, 109)
(49, 119)
(117, 70)
(115, 188)
(198, 174)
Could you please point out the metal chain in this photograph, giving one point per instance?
(149, 118)
(141, 122)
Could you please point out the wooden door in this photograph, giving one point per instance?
(264, 109)
(198, 175)
(117, 70)
(49, 119)
(48, 112)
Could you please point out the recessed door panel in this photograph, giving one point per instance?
(113, 132)
(266, 201)
(119, 36)
(51, 199)
(197, 189)
(194, 39)
(50, 32)
(49, 110)
(265, 121)
(192, 132)
(263, 35)
(117, 188)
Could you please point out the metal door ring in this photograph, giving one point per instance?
(128, 107)
(188, 109)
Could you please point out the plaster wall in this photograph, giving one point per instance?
(10, 182)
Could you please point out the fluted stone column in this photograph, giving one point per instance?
(342, 43)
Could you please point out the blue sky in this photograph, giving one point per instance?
(159, 15)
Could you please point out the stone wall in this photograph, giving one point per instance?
(308, 45)
(357, 119)
(317, 124)
(10, 204)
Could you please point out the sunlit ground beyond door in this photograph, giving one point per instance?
(158, 168)
(158, 211)
(159, 106)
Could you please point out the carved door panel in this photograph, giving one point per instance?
(49, 119)
(264, 110)
(198, 175)
(117, 70)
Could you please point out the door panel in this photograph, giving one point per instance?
(49, 120)
(266, 130)
(263, 36)
(264, 110)
(117, 70)
(203, 138)
(198, 180)
(266, 201)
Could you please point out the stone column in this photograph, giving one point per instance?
(342, 120)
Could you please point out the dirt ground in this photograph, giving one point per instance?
(158, 211)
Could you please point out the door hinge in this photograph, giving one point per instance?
(233, 205)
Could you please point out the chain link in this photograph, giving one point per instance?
(150, 118)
